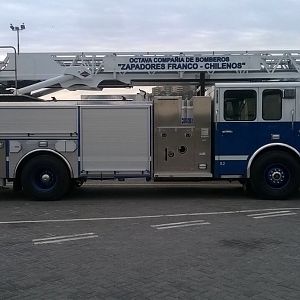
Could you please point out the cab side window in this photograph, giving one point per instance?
(240, 105)
(272, 104)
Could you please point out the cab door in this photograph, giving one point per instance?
(277, 115)
(236, 130)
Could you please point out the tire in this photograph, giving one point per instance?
(78, 183)
(45, 177)
(17, 185)
(248, 188)
(275, 175)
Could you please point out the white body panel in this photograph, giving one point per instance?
(37, 120)
(115, 138)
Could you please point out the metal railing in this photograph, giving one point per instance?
(14, 69)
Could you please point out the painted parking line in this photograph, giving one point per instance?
(180, 224)
(275, 215)
(64, 238)
(269, 213)
(149, 216)
(272, 214)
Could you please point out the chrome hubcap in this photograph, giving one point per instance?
(277, 176)
(45, 178)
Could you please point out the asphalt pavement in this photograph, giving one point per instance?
(183, 241)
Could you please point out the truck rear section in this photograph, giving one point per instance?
(104, 141)
(167, 139)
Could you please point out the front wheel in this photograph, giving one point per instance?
(275, 175)
(45, 177)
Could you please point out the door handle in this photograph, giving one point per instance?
(227, 131)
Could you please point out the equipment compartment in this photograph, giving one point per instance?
(182, 137)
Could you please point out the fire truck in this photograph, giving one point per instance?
(243, 123)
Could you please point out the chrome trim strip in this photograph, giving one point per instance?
(231, 157)
(231, 176)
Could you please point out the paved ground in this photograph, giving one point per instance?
(118, 242)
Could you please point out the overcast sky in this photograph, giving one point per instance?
(156, 25)
(120, 25)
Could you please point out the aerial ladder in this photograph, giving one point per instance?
(98, 70)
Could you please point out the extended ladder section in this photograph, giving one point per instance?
(97, 70)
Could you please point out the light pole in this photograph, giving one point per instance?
(17, 29)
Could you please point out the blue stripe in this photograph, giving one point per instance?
(231, 167)
(244, 138)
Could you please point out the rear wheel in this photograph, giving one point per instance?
(45, 177)
(275, 175)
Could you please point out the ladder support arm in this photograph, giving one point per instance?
(44, 84)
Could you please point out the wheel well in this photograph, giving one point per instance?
(283, 148)
(28, 157)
